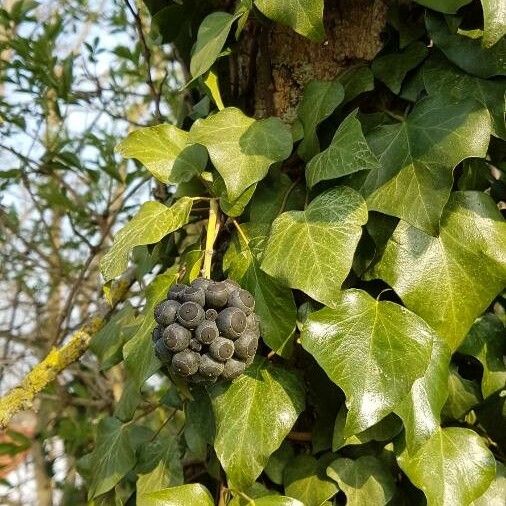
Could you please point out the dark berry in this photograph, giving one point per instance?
(216, 295)
(196, 295)
(231, 322)
(195, 345)
(231, 285)
(175, 291)
(202, 283)
(243, 300)
(163, 354)
(221, 349)
(185, 362)
(253, 324)
(165, 312)
(232, 369)
(209, 367)
(207, 332)
(211, 314)
(246, 346)
(190, 314)
(156, 334)
(176, 337)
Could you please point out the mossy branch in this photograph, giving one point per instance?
(58, 359)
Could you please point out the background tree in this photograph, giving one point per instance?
(356, 151)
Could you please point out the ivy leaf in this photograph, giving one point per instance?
(494, 21)
(418, 156)
(442, 78)
(437, 278)
(159, 464)
(360, 345)
(348, 153)
(445, 6)
(364, 481)
(211, 37)
(356, 79)
(420, 411)
(465, 52)
(312, 250)
(258, 410)
(392, 68)
(494, 495)
(465, 466)
(183, 495)
(140, 359)
(278, 461)
(463, 395)
(303, 16)
(319, 100)
(153, 222)
(242, 148)
(165, 151)
(199, 426)
(113, 456)
(274, 302)
(487, 342)
(306, 480)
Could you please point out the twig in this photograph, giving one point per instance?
(212, 232)
(299, 436)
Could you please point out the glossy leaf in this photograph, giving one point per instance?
(418, 156)
(165, 151)
(241, 148)
(151, 224)
(438, 277)
(319, 100)
(183, 495)
(494, 496)
(199, 427)
(278, 461)
(453, 467)
(348, 153)
(494, 20)
(303, 16)
(463, 395)
(312, 250)
(487, 342)
(360, 344)
(364, 481)
(258, 410)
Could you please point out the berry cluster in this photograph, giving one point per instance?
(207, 330)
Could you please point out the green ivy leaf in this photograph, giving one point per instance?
(392, 68)
(360, 345)
(199, 427)
(442, 78)
(166, 152)
(364, 481)
(348, 153)
(303, 16)
(113, 456)
(278, 461)
(356, 79)
(312, 250)
(305, 479)
(494, 21)
(241, 148)
(446, 6)
(420, 411)
(183, 495)
(437, 278)
(418, 156)
(494, 495)
(258, 410)
(465, 467)
(465, 52)
(274, 302)
(265, 500)
(211, 37)
(152, 222)
(487, 342)
(319, 100)
(463, 395)
(140, 359)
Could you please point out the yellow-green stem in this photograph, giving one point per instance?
(212, 232)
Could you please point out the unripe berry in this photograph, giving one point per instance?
(195, 345)
(165, 312)
(209, 367)
(193, 295)
(216, 295)
(232, 369)
(190, 314)
(211, 314)
(176, 337)
(231, 322)
(200, 283)
(186, 362)
(175, 291)
(243, 300)
(246, 346)
(221, 349)
(162, 352)
(207, 332)
(156, 334)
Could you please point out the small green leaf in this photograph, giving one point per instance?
(151, 224)
(241, 148)
(306, 480)
(303, 16)
(184, 495)
(360, 345)
(211, 37)
(494, 21)
(418, 156)
(437, 277)
(258, 410)
(319, 100)
(487, 342)
(312, 250)
(364, 481)
(465, 467)
(348, 153)
(446, 6)
(392, 68)
(166, 152)
(463, 395)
